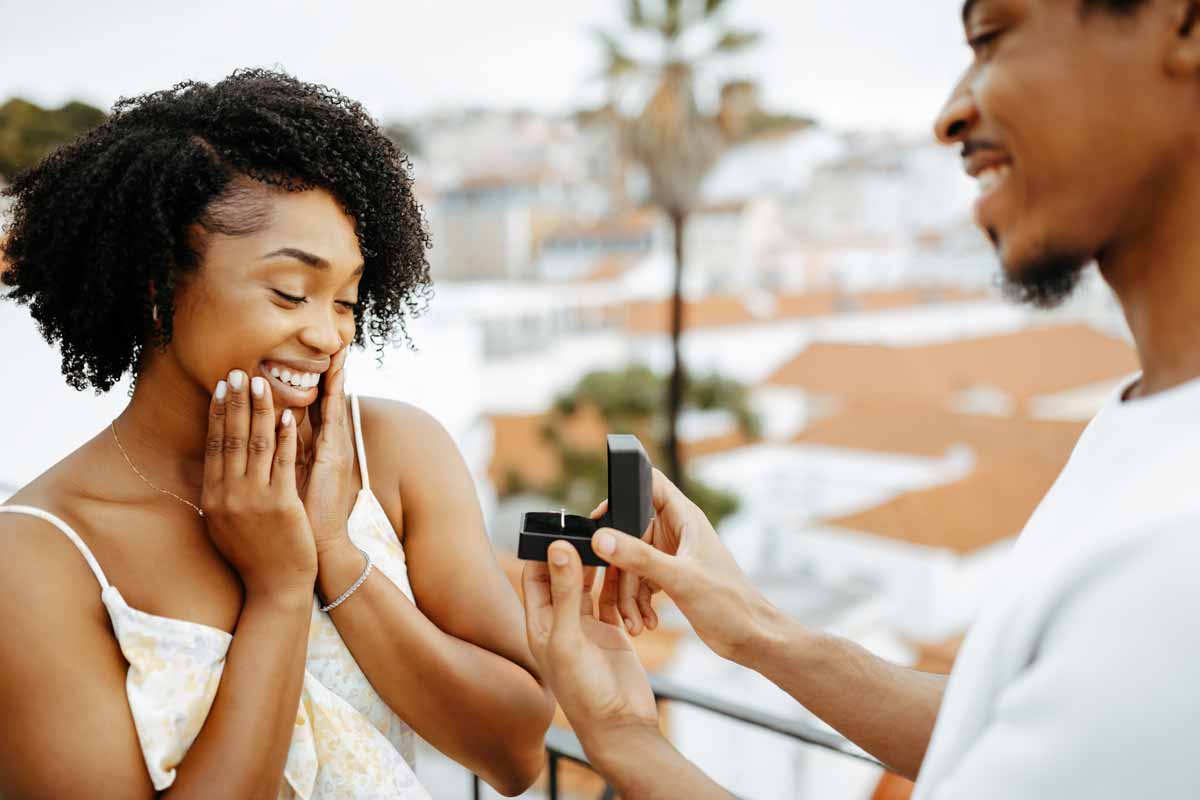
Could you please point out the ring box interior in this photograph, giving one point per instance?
(630, 490)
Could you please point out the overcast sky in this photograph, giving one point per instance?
(851, 63)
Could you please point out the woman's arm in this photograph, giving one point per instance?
(67, 730)
(456, 666)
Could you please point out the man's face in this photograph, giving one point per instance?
(1069, 121)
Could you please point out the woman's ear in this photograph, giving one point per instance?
(153, 303)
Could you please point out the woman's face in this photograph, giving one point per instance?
(276, 302)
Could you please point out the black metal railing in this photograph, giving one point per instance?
(563, 745)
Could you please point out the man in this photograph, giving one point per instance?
(1081, 119)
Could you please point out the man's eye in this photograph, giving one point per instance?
(348, 304)
(289, 298)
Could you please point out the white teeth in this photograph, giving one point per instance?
(992, 176)
(300, 380)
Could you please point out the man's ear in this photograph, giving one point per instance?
(1183, 57)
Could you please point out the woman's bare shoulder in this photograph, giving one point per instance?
(61, 670)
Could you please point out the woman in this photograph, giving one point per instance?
(248, 585)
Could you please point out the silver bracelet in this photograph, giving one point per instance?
(354, 587)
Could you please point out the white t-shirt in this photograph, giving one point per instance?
(1080, 677)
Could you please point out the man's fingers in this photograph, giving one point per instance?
(627, 588)
(663, 492)
(535, 585)
(644, 597)
(636, 556)
(535, 594)
(608, 597)
(599, 511)
(587, 599)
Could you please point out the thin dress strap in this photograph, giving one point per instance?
(66, 529)
(358, 442)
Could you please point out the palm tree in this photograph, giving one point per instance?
(670, 137)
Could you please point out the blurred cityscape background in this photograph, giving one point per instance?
(864, 417)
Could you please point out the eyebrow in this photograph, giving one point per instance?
(968, 6)
(307, 258)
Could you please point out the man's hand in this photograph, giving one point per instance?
(586, 661)
(681, 554)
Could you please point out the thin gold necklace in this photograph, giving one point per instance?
(113, 425)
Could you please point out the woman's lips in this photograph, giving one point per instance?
(288, 395)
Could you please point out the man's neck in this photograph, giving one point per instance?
(1155, 274)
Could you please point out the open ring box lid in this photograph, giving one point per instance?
(630, 508)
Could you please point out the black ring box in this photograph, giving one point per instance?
(630, 507)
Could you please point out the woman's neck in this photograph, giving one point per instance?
(164, 428)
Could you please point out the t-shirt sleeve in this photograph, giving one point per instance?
(1110, 704)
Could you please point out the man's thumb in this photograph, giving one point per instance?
(635, 556)
(566, 587)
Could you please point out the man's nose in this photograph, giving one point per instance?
(958, 117)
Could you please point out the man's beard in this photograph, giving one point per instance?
(1047, 282)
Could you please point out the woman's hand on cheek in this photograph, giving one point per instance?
(328, 485)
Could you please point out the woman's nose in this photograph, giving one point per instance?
(322, 333)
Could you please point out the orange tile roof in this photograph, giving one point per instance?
(927, 430)
(521, 449)
(992, 503)
(720, 310)
(1026, 364)
(1017, 460)
(717, 311)
(637, 222)
(607, 269)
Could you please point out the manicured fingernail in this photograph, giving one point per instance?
(286, 419)
(558, 558)
(604, 543)
(221, 389)
(235, 379)
(629, 623)
(258, 385)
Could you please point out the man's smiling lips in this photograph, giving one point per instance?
(989, 165)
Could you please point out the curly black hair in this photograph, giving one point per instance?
(103, 220)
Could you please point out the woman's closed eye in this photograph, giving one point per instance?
(301, 300)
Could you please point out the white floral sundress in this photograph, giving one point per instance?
(347, 742)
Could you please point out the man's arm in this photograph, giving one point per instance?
(885, 709)
(642, 765)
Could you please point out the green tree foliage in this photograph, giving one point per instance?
(28, 132)
(631, 401)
